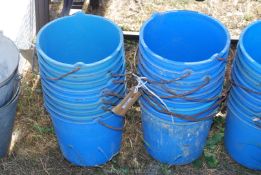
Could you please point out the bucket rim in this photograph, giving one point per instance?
(241, 43)
(81, 64)
(208, 60)
(14, 98)
(235, 114)
(174, 122)
(7, 79)
(62, 116)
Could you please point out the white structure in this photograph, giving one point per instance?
(17, 21)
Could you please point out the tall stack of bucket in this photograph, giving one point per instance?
(82, 66)
(9, 90)
(182, 58)
(243, 125)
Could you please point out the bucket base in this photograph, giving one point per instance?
(174, 143)
(242, 142)
(88, 143)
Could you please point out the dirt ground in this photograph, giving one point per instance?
(34, 149)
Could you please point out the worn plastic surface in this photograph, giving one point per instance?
(243, 125)
(243, 140)
(183, 55)
(173, 142)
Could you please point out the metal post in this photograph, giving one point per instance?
(41, 13)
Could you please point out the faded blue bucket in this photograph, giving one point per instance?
(182, 59)
(82, 67)
(243, 140)
(243, 125)
(7, 118)
(174, 143)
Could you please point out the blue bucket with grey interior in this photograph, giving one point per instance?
(9, 60)
(7, 118)
(9, 91)
(82, 66)
(182, 59)
(243, 122)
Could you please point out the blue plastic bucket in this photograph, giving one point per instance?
(82, 67)
(88, 143)
(243, 125)
(243, 112)
(190, 112)
(185, 68)
(243, 141)
(7, 118)
(173, 53)
(244, 78)
(249, 46)
(171, 142)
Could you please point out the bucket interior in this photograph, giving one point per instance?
(184, 36)
(79, 38)
(251, 41)
(9, 58)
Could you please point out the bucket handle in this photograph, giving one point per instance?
(221, 59)
(182, 76)
(190, 118)
(109, 126)
(64, 75)
(195, 99)
(175, 95)
(244, 88)
(112, 93)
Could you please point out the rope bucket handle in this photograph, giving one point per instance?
(109, 126)
(190, 118)
(244, 88)
(64, 75)
(107, 93)
(175, 95)
(187, 73)
(221, 59)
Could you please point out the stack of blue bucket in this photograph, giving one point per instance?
(243, 125)
(82, 66)
(182, 58)
(9, 91)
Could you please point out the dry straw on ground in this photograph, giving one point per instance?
(235, 14)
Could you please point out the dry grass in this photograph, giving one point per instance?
(130, 14)
(235, 14)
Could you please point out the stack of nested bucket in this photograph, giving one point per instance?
(182, 58)
(9, 90)
(82, 67)
(243, 125)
